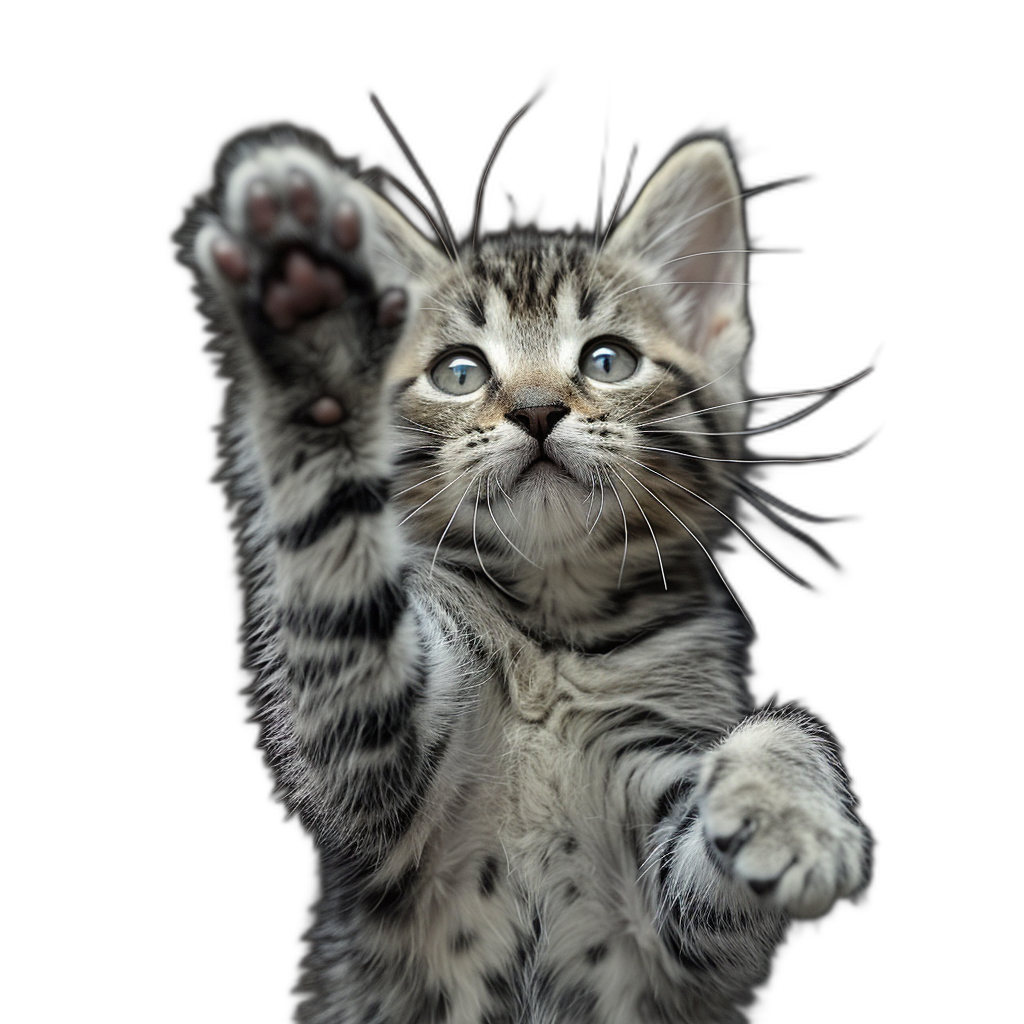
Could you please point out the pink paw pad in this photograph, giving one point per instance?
(345, 225)
(391, 307)
(261, 208)
(230, 260)
(326, 411)
(306, 289)
(302, 198)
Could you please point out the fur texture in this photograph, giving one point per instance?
(497, 671)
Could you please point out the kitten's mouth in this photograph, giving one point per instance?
(543, 464)
(545, 468)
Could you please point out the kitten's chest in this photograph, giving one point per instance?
(554, 776)
(543, 685)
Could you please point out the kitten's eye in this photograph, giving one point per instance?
(608, 360)
(460, 373)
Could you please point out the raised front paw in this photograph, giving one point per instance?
(291, 234)
(774, 825)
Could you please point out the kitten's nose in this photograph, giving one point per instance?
(538, 420)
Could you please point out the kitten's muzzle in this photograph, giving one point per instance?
(538, 420)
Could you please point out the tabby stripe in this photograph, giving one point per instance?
(620, 719)
(372, 616)
(575, 1003)
(587, 301)
(693, 391)
(555, 284)
(672, 843)
(667, 743)
(393, 793)
(474, 307)
(391, 900)
(370, 728)
(312, 673)
(678, 793)
(683, 379)
(415, 456)
(353, 497)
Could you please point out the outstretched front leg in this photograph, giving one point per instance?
(306, 273)
(762, 828)
(778, 814)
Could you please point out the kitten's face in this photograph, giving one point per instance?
(550, 410)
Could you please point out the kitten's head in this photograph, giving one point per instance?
(563, 396)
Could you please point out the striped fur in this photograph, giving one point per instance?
(506, 696)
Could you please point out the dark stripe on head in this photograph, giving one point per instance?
(685, 381)
(556, 283)
(587, 301)
(474, 307)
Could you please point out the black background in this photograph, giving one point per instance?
(232, 870)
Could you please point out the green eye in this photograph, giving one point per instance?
(608, 360)
(460, 373)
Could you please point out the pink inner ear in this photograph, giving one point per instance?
(718, 324)
(687, 226)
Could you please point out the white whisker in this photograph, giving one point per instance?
(698, 541)
(502, 532)
(767, 554)
(476, 546)
(444, 533)
(419, 483)
(666, 284)
(433, 496)
(416, 425)
(657, 549)
(625, 533)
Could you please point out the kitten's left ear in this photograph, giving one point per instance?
(687, 232)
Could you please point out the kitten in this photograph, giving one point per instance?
(498, 673)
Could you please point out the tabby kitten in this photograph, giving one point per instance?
(498, 674)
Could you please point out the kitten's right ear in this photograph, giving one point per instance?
(686, 231)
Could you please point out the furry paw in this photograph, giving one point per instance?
(290, 235)
(773, 823)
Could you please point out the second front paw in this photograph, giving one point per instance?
(771, 828)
